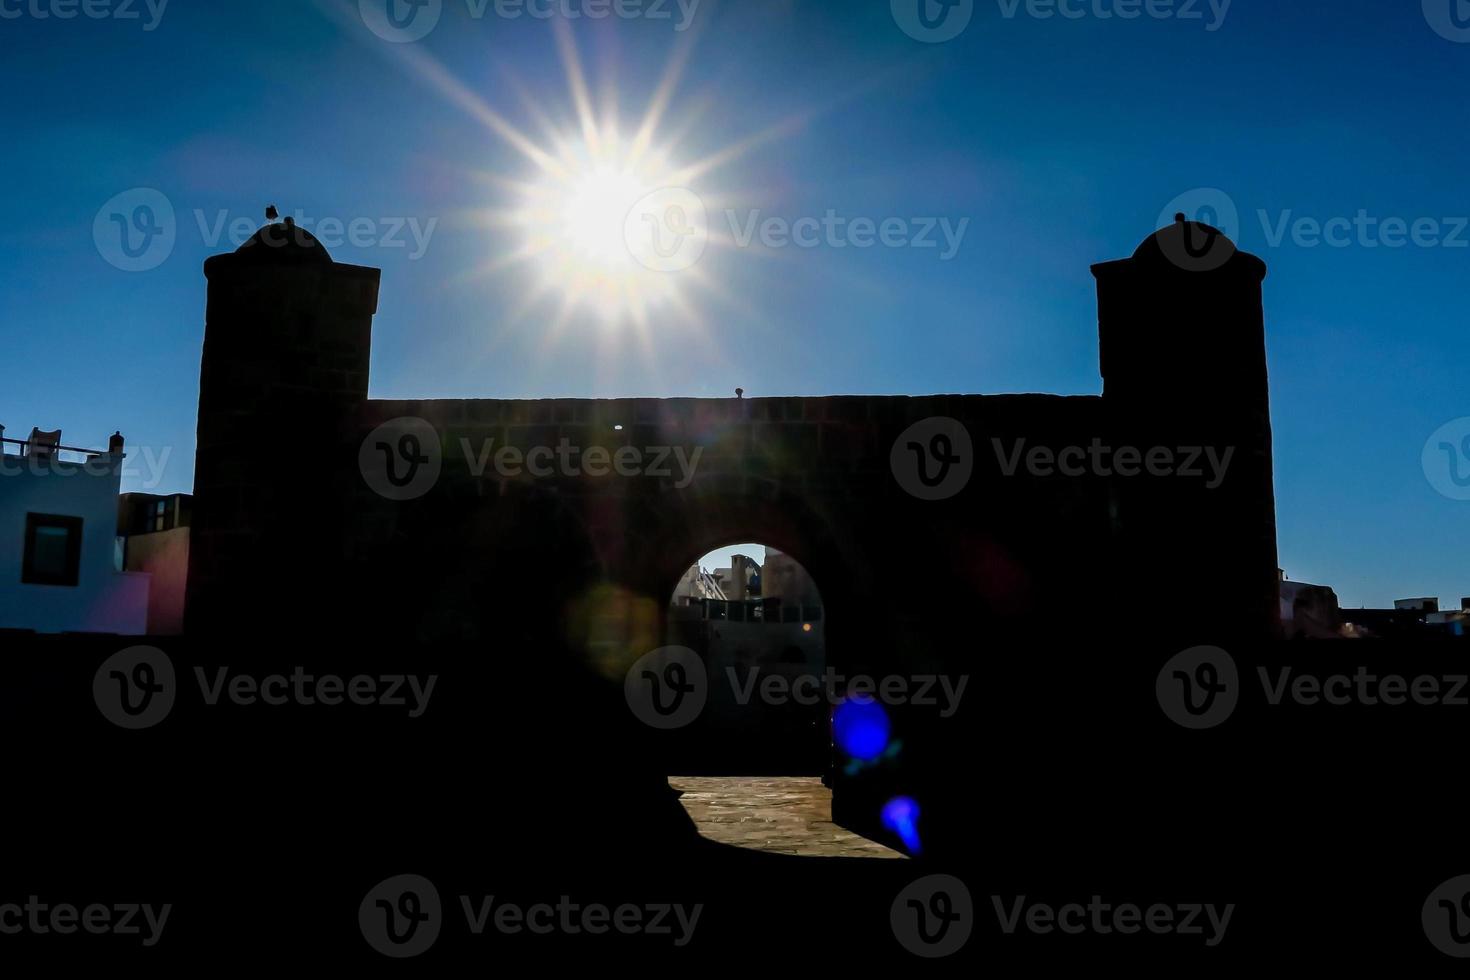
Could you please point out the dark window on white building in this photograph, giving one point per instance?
(53, 550)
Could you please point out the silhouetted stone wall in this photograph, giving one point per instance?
(289, 529)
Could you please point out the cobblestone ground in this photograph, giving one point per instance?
(777, 814)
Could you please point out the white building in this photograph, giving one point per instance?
(60, 558)
(1308, 610)
(696, 584)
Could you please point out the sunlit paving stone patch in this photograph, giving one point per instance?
(776, 814)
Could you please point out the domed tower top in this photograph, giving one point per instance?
(1195, 247)
(1180, 322)
(283, 243)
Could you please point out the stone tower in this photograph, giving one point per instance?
(1183, 356)
(285, 370)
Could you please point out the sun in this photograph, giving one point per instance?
(603, 223)
(592, 216)
(593, 227)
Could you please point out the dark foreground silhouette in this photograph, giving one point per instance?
(266, 827)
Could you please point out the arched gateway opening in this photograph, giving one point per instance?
(753, 768)
(756, 619)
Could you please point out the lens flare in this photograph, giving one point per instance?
(901, 815)
(860, 728)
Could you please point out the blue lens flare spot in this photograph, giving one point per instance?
(860, 728)
(901, 815)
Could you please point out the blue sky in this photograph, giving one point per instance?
(1060, 139)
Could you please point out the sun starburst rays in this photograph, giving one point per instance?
(558, 225)
(564, 225)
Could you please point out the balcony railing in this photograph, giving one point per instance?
(24, 447)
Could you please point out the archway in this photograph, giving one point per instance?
(755, 770)
(756, 618)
